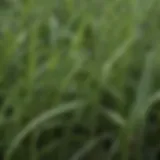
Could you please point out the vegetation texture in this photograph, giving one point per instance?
(79, 79)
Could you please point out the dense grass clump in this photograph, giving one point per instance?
(79, 80)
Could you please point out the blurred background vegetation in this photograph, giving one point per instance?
(79, 79)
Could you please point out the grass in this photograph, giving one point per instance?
(79, 80)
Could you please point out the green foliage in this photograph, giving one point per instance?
(79, 80)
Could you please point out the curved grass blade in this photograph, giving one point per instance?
(56, 111)
(87, 147)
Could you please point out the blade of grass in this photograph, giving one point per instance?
(87, 147)
(139, 110)
(56, 111)
(115, 117)
(120, 51)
